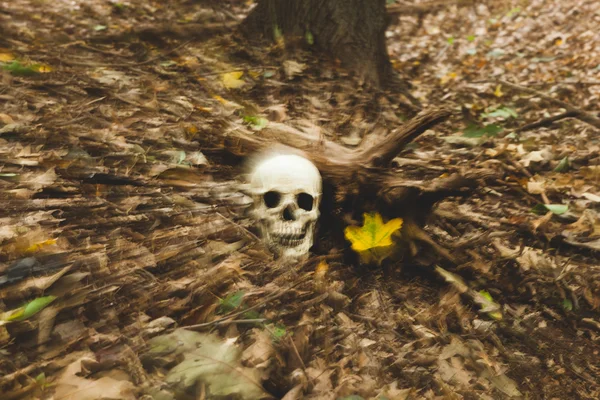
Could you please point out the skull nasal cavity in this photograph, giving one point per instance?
(271, 199)
(305, 201)
(288, 214)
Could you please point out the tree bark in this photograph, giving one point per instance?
(352, 31)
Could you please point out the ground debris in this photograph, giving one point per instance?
(128, 266)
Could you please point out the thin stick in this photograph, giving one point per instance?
(579, 114)
(237, 314)
(546, 121)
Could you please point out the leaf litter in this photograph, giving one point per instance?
(120, 206)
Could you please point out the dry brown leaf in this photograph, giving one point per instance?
(260, 353)
(71, 386)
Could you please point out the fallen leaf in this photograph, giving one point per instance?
(211, 361)
(293, 68)
(448, 77)
(39, 246)
(256, 123)
(474, 131)
(71, 386)
(373, 240)
(557, 209)
(231, 80)
(261, 353)
(27, 311)
(563, 165)
(5, 57)
(18, 69)
(498, 91)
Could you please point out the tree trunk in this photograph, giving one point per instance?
(352, 31)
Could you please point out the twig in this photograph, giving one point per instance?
(240, 321)
(158, 57)
(297, 353)
(546, 121)
(579, 114)
(237, 314)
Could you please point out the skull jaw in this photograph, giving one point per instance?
(289, 248)
(296, 252)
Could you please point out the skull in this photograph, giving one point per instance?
(286, 190)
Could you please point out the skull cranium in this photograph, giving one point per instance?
(287, 191)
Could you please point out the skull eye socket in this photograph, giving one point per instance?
(271, 199)
(305, 201)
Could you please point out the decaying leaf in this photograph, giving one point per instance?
(293, 68)
(72, 386)
(209, 360)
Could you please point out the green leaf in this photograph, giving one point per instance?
(278, 332)
(488, 302)
(31, 308)
(567, 305)
(231, 302)
(41, 378)
(18, 69)
(99, 28)
(450, 40)
(563, 165)
(309, 38)
(471, 38)
(474, 131)
(252, 314)
(557, 209)
(256, 123)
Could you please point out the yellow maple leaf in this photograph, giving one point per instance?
(39, 246)
(373, 240)
(231, 80)
(498, 92)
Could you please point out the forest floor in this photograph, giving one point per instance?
(122, 219)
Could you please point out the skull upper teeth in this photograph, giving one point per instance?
(286, 191)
